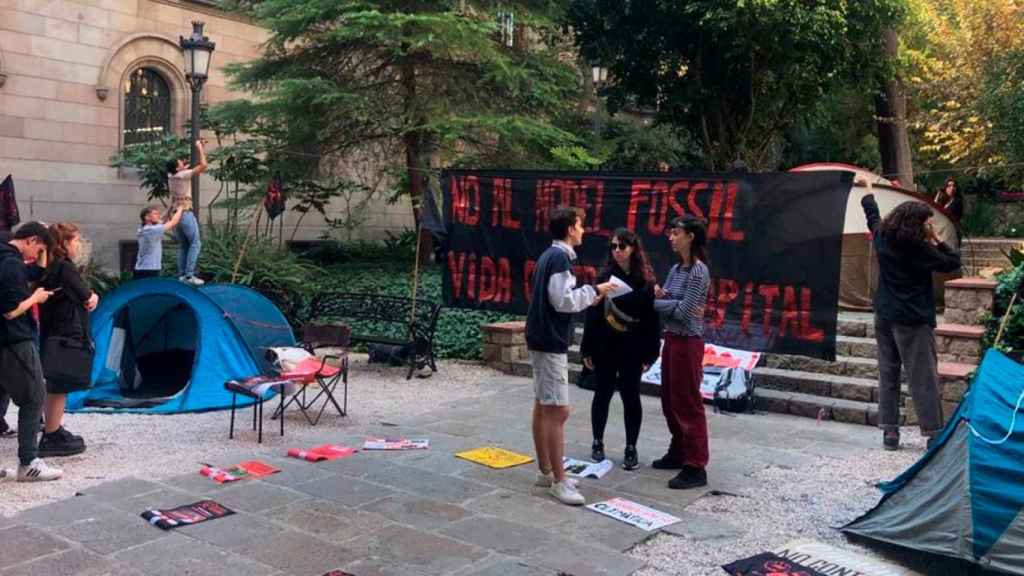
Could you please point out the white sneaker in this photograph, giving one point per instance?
(195, 280)
(566, 493)
(546, 480)
(38, 471)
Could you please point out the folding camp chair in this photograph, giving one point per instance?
(316, 371)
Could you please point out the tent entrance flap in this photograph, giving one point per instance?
(155, 352)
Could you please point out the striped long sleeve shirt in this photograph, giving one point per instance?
(686, 291)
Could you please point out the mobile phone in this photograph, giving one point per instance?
(57, 289)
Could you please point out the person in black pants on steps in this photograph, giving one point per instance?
(621, 341)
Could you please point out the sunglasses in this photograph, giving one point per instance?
(618, 246)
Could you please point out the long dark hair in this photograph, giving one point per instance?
(63, 233)
(639, 265)
(695, 226)
(906, 222)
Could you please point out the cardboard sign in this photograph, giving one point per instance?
(186, 515)
(396, 444)
(831, 560)
(320, 453)
(494, 457)
(584, 469)
(633, 514)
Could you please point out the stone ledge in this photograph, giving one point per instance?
(960, 331)
(953, 370)
(972, 284)
(513, 327)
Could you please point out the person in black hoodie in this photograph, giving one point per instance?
(65, 315)
(19, 360)
(621, 341)
(909, 251)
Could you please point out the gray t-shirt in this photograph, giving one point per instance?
(151, 246)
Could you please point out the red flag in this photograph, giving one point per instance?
(273, 202)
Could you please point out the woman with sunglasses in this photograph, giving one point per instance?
(620, 341)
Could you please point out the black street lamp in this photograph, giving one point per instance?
(197, 49)
(599, 75)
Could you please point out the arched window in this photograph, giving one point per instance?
(147, 107)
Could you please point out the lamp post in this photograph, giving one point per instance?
(197, 49)
(599, 75)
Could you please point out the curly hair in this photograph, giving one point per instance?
(63, 233)
(906, 222)
(639, 265)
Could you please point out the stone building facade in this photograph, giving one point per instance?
(81, 78)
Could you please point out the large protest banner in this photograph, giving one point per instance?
(774, 243)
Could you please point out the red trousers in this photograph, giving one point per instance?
(681, 374)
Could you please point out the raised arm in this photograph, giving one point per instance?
(202, 166)
(871, 212)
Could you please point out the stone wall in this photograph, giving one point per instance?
(968, 300)
(63, 64)
(504, 345)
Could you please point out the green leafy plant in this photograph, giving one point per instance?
(150, 159)
(1013, 333)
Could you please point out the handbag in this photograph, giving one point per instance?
(69, 360)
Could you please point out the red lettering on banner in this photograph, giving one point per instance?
(584, 274)
(637, 196)
(528, 268)
(455, 267)
(466, 200)
(541, 205)
(769, 292)
(676, 188)
(471, 278)
(488, 279)
(726, 292)
(504, 293)
(659, 209)
(729, 218)
(790, 313)
(808, 332)
(691, 198)
(748, 304)
(501, 207)
(714, 211)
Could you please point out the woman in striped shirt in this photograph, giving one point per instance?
(681, 306)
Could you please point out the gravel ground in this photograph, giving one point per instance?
(162, 446)
(786, 505)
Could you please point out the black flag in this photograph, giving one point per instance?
(9, 217)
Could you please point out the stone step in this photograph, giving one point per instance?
(822, 408)
(843, 366)
(959, 343)
(815, 384)
(845, 346)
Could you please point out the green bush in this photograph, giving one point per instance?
(1013, 334)
(458, 330)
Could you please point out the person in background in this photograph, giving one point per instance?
(548, 335)
(681, 306)
(19, 359)
(621, 341)
(908, 252)
(149, 260)
(950, 200)
(179, 182)
(663, 166)
(65, 314)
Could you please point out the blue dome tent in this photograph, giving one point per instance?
(964, 499)
(163, 346)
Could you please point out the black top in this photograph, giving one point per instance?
(905, 294)
(642, 342)
(547, 329)
(14, 278)
(64, 313)
(955, 207)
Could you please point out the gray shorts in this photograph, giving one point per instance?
(550, 378)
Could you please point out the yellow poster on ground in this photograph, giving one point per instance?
(494, 457)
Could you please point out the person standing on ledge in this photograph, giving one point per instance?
(179, 182)
(554, 300)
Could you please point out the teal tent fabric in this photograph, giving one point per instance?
(964, 498)
(163, 346)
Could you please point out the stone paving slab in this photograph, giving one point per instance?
(63, 512)
(506, 566)
(177, 555)
(498, 534)
(165, 498)
(297, 553)
(426, 483)
(74, 562)
(418, 512)
(118, 490)
(518, 507)
(109, 533)
(416, 549)
(327, 519)
(235, 531)
(255, 496)
(21, 543)
(347, 491)
(583, 560)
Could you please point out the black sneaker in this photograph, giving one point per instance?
(60, 443)
(891, 440)
(689, 477)
(597, 451)
(666, 462)
(6, 431)
(630, 460)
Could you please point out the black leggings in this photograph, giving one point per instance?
(626, 378)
